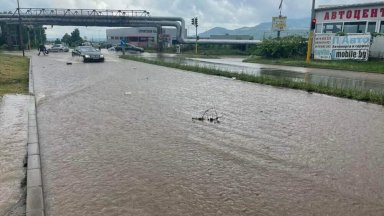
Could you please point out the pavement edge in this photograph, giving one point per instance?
(35, 195)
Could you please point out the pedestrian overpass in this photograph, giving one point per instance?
(105, 18)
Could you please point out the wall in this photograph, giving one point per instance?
(147, 36)
(377, 50)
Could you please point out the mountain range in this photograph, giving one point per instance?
(263, 30)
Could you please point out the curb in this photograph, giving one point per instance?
(35, 198)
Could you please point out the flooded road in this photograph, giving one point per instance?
(13, 144)
(117, 138)
(335, 78)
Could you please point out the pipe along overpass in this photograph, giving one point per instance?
(106, 18)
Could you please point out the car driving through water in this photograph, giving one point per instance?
(88, 53)
(58, 48)
(127, 47)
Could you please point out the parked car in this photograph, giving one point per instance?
(58, 48)
(88, 53)
(128, 47)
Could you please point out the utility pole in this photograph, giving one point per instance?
(280, 8)
(311, 32)
(34, 34)
(29, 40)
(20, 28)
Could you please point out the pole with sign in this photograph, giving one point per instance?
(279, 24)
(312, 29)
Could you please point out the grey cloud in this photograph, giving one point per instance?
(211, 13)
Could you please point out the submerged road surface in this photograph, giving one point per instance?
(13, 149)
(117, 138)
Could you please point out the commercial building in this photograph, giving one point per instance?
(358, 22)
(354, 18)
(143, 36)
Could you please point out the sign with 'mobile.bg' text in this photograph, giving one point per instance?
(332, 47)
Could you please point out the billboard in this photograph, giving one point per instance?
(332, 47)
(279, 23)
(351, 14)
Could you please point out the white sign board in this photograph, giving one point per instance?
(332, 47)
(279, 23)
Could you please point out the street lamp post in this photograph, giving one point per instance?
(20, 28)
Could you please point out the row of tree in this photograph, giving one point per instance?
(32, 36)
(71, 40)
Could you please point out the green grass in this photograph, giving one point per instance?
(13, 74)
(373, 66)
(356, 94)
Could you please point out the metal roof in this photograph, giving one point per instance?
(331, 7)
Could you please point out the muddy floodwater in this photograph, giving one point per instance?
(333, 78)
(117, 138)
(13, 144)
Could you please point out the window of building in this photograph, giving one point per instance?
(133, 39)
(382, 27)
(332, 27)
(371, 27)
(355, 27)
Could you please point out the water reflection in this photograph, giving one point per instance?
(333, 81)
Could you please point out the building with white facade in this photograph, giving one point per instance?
(143, 36)
(358, 22)
(354, 18)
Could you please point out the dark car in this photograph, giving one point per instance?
(128, 47)
(88, 53)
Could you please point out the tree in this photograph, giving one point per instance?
(75, 38)
(66, 39)
(57, 41)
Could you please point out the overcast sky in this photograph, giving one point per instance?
(211, 13)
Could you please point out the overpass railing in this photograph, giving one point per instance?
(78, 12)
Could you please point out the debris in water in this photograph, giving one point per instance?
(233, 78)
(128, 93)
(208, 115)
(69, 63)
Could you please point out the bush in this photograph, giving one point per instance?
(4, 47)
(287, 47)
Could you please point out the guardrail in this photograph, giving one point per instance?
(76, 12)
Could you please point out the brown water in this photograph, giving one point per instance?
(117, 138)
(333, 78)
(13, 144)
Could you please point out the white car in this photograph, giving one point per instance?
(58, 48)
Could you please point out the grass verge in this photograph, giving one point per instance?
(356, 94)
(13, 74)
(373, 66)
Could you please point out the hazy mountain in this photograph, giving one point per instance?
(299, 26)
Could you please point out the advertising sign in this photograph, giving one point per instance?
(363, 13)
(322, 46)
(332, 47)
(279, 23)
